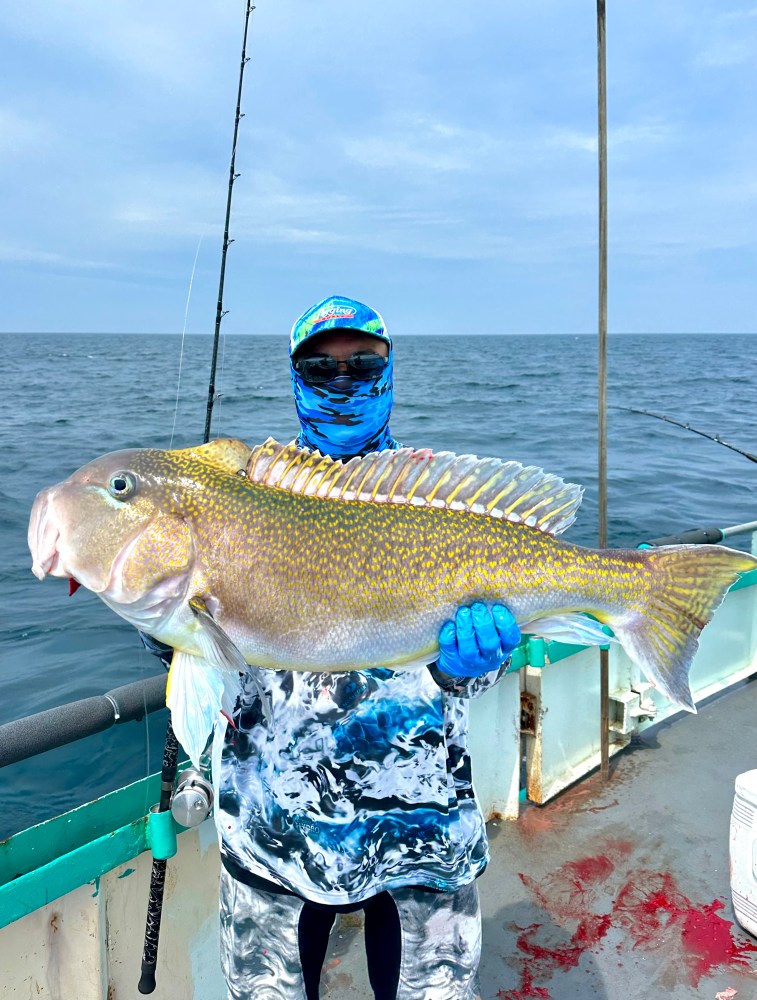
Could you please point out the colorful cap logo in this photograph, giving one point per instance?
(337, 312)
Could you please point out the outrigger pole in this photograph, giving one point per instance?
(171, 751)
(604, 659)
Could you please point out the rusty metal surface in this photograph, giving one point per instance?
(529, 709)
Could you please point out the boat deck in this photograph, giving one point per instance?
(616, 890)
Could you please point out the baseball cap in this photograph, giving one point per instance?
(337, 312)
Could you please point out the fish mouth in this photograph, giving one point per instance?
(44, 537)
(44, 542)
(47, 560)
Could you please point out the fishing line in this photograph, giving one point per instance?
(183, 335)
(148, 767)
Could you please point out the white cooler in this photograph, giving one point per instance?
(743, 850)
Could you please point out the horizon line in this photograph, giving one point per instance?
(512, 333)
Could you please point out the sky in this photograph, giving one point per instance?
(435, 159)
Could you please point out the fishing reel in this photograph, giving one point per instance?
(192, 801)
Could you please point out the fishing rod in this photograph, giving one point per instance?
(171, 751)
(226, 241)
(687, 427)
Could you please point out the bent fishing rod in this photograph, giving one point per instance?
(687, 427)
(171, 751)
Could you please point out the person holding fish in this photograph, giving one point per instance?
(303, 589)
(356, 793)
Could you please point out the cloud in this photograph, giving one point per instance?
(20, 134)
(164, 44)
(24, 255)
(419, 143)
(636, 135)
(738, 15)
(730, 40)
(726, 52)
(376, 141)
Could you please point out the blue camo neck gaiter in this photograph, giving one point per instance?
(345, 422)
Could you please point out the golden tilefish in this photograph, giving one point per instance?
(278, 557)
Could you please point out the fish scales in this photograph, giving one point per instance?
(275, 557)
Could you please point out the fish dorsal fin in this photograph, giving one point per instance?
(524, 494)
(229, 454)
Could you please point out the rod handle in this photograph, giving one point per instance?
(152, 928)
(147, 980)
(694, 536)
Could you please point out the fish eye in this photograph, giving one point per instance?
(121, 485)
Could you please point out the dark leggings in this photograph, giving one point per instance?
(383, 944)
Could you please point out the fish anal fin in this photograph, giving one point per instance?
(570, 627)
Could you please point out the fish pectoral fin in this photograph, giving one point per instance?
(215, 645)
(217, 648)
(195, 694)
(570, 627)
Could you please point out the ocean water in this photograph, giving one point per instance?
(68, 398)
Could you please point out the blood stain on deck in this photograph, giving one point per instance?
(645, 910)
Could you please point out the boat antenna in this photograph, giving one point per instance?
(171, 751)
(687, 427)
(249, 8)
(604, 661)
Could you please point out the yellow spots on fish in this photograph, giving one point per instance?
(162, 550)
(107, 498)
(296, 576)
(372, 559)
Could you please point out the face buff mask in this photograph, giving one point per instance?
(346, 416)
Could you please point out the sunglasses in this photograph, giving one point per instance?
(321, 368)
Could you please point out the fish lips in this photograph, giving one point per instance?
(44, 541)
(44, 536)
(47, 560)
(49, 552)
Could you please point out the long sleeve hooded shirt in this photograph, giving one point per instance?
(356, 782)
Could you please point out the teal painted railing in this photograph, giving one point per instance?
(53, 858)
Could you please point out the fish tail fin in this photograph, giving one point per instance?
(685, 585)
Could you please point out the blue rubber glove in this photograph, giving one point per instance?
(478, 641)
